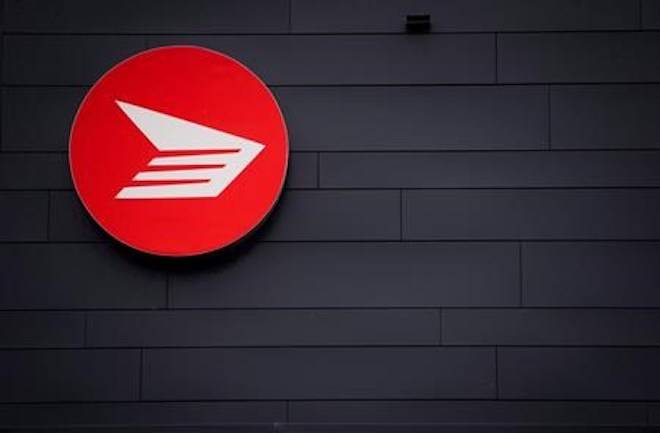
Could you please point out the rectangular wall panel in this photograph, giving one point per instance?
(147, 16)
(196, 374)
(354, 60)
(64, 60)
(578, 58)
(602, 274)
(353, 275)
(69, 375)
(24, 216)
(42, 329)
(143, 414)
(578, 373)
(548, 327)
(379, 16)
(38, 118)
(331, 215)
(415, 118)
(65, 276)
(263, 328)
(34, 171)
(532, 214)
(605, 116)
(456, 413)
(490, 169)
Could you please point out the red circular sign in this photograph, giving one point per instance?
(178, 151)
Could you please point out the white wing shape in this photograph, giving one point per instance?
(170, 134)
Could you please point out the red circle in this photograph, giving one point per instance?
(195, 85)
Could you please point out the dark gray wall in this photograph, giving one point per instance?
(469, 240)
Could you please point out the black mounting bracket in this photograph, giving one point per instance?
(418, 23)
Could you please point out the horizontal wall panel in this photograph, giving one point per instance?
(650, 14)
(578, 373)
(234, 428)
(378, 16)
(41, 329)
(25, 216)
(38, 118)
(64, 276)
(147, 16)
(531, 214)
(354, 275)
(416, 118)
(603, 274)
(184, 374)
(654, 414)
(69, 375)
(332, 215)
(490, 169)
(143, 414)
(70, 221)
(616, 116)
(64, 60)
(140, 414)
(349, 59)
(263, 328)
(537, 327)
(469, 412)
(302, 172)
(34, 171)
(578, 58)
(465, 428)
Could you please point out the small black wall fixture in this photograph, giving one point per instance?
(418, 23)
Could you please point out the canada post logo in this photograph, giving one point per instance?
(208, 173)
(178, 151)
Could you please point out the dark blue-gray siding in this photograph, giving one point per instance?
(469, 238)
